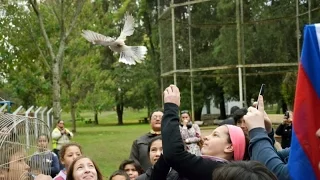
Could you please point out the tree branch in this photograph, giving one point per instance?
(80, 4)
(43, 30)
(54, 11)
(44, 60)
(62, 25)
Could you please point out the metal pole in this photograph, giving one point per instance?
(174, 44)
(3, 107)
(309, 11)
(27, 126)
(239, 51)
(161, 52)
(14, 119)
(191, 67)
(297, 30)
(48, 118)
(42, 118)
(36, 121)
(17, 110)
(243, 56)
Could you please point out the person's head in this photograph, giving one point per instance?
(119, 175)
(233, 109)
(13, 162)
(83, 168)
(238, 119)
(60, 124)
(288, 117)
(68, 153)
(243, 170)
(43, 141)
(185, 116)
(132, 168)
(155, 149)
(155, 120)
(227, 142)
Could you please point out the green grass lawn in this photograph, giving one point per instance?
(109, 145)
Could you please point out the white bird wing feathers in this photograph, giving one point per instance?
(96, 38)
(128, 28)
(128, 54)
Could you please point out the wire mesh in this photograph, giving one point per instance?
(22, 153)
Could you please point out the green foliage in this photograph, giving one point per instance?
(288, 89)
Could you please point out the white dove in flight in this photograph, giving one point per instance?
(128, 54)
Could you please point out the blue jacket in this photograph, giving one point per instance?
(46, 162)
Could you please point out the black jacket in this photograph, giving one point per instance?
(285, 131)
(139, 150)
(186, 164)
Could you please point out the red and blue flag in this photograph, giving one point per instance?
(305, 146)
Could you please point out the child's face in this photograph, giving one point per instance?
(43, 143)
(155, 151)
(118, 177)
(84, 169)
(216, 143)
(131, 171)
(18, 168)
(72, 152)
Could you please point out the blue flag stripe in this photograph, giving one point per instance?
(310, 57)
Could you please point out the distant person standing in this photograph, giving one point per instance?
(139, 150)
(190, 133)
(285, 130)
(60, 136)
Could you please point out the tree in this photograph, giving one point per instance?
(288, 89)
(64, 13)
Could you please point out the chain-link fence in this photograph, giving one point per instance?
(231, 45)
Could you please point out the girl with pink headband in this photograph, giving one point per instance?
(226, 143)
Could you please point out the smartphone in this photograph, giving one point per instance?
(261, 92)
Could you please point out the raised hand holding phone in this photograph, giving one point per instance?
(261, 92)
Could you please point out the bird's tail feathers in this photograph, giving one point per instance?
(133, 54)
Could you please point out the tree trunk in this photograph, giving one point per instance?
(73, 116)
(56, 88)
(222, 106)
(208, 105)
(197, 114)
(120, 113)
(96, 121)
(119, 99)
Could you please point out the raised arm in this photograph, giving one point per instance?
(186, 164)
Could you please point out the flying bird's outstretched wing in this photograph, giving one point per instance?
(128, 28)
(96, 38)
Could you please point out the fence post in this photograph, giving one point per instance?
(36, 121)
(27, 126)
(14, 119)
(48, 118)
(42, 118)
(3, 107)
